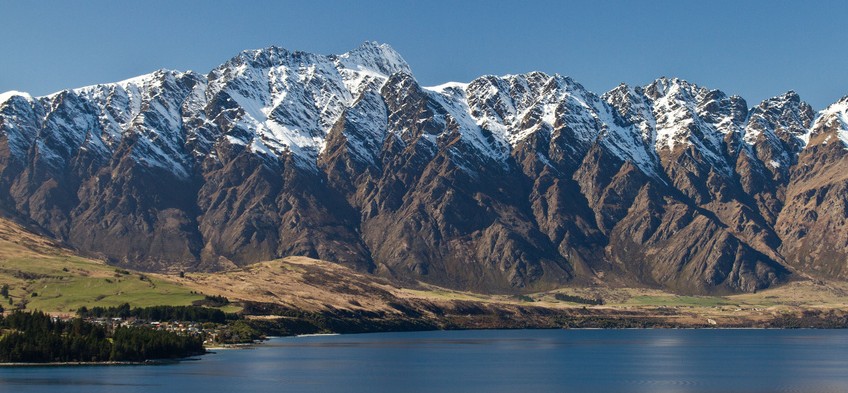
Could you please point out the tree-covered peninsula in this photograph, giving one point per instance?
(39, 338)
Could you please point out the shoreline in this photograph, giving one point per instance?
(160, 362)
(210, 350)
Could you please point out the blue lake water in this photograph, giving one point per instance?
(758, 361)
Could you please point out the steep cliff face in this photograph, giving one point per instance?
(813, 220)
(503, 184)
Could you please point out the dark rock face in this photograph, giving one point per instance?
(813, 220)
(505, 184)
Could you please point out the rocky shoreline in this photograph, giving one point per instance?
(278, 321)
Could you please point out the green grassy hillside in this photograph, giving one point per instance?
(45, 276)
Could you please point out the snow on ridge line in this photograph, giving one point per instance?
(455, 103)
(371, 59)
(842, 133)
(6, 96)
(138, 80)
(341, 81)
(445, 86)
(374, 56)
(837, 112)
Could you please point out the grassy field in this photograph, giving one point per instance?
(50, 278)
(803, 294)
(675, 300)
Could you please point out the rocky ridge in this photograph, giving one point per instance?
(504, 184)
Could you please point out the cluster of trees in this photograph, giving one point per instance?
(159, 313)
(36, 337)
(239, 332)
(579, 300)
(4, 291)
(138, 344)
(212, 301)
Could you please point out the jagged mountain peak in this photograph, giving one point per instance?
(789, 98)
(517, 105)
(377, 57)
(370, 57)
(290, 100)
(840, 105)
(269, 57)
(790, 95)
(665, 86)
(682, 89)
(14, 93)
(685, 114)
(625, 98)
(621, 89)
(449, 86)
(785, 117)
(539, 82)
(151, 80)
(833, 122)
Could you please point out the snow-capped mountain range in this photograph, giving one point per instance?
(504, 183)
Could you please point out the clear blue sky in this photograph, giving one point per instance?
(756, 49)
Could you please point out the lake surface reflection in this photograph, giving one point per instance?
(661, 361)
